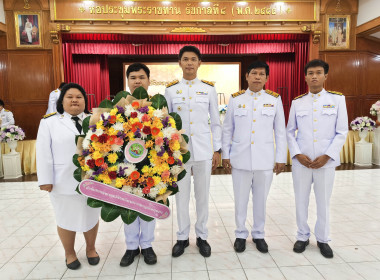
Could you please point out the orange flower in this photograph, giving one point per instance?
(165, 174)
(135, 175)
(135, 104)
(112, 119)
(170, 160)
(112, 139)
(99, 161)
(137, 125)
(155, 131)
(150, 182)
(94, 138)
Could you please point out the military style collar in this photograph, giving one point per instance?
(189, 83)
(254, 94)
(317, 95)
(81, 116)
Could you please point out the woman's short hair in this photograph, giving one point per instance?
(62, 95)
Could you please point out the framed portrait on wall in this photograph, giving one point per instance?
(28, 29)
(338, 32)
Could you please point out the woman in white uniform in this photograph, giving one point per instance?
(55, 168)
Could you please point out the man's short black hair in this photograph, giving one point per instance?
(317, 63)
(189, 49)
(62, 95)
(1, 103)
(259, 64)
(61, 85)
(137, 67)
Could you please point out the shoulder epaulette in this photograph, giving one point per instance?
(274, 94)
(49, 115)
(208, 83)
(238, 93)
(172, 83)
(335, 92)
(6, 110)
(299, 96)
(56, 90)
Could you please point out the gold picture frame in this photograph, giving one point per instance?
(337, 32)
(28, 29)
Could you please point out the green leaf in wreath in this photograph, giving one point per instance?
(159, 101)
(145, 218)
(128, 216)
(94, 203)
(173, 190)
(140, 93)
(86, 124)
(119, 96)
(78, 174)
(181, 175)
(110, 212)
(186, 138)
(177, 119)
(106, 104)
(75, 160)
(77, 190)
(186, 157)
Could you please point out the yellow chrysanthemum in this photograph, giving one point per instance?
(174, 145)
(85, 168)
(96, 155)
(112, 168)
(149, 144)
(119, 118)
(156, 180)
(112, 131)
(162, 191)
(145, 169)
(114, 111)
(99, 125)
(119, 182)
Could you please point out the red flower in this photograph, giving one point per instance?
(91, 163)
(134, 115)
(94, 138)
(135, 104)
(103, 138)
(146, 130)
(170, 160)
(155, 131)
(136, 125)
(150, 182)
(112, 175)
(112, 139)
(146, 190)
(99, 161)
(112, 119)
(135, 175)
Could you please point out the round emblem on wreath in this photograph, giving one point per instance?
(132, 144)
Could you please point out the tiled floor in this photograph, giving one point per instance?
(30, 248)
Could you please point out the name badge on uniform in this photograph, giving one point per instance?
(328, 106)
(179, 91)
(268, 105)
(202, 93)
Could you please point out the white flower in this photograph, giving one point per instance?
(106, 115)
(175, 169)
(138, 192)
(158, 114)
(128, 110)
(86, 144)
(99, 132)
(130, 168)
(116, 148)
(89, 134)
(168, 131)
(176, 154)
(153, 192)
(118, 126)
(127, 189)
(157, 148)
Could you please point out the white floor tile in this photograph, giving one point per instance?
(264, 273)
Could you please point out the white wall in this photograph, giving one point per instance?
(2, 14)
(368, 10)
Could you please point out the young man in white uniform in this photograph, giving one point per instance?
(195, 100)
(6, 116)
(139, 234)
(53, 97)
(320, 117)
(253, 116)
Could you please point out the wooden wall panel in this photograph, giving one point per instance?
(28, 117)
(371, 73)
(3, 74)
(353, 107)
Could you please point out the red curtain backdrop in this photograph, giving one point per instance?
(85, 56)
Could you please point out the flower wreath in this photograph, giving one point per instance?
(132, 144)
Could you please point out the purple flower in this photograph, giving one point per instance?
(98, 172)
(144, 109)
(120, 109)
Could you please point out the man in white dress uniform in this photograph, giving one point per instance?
(53, 97)
(6, 116)
(195, 100)
(248, 148)
(139, 234)
(320, 117)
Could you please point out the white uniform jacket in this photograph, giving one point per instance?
(248, 129)
(6, 118)
(53, 98)
(55, 148)
(321, 121)
(195, 101)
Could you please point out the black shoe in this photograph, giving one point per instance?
(149, 255)
(300, 246)
(239, 245)
(261, 245)
(179, 247)
(204, 247)
(325, 250)
(129, 257)
(73, 265)
(93, 260)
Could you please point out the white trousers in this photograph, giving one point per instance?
(259, 182)
(139, 233)
(201, 172)
(323, 179)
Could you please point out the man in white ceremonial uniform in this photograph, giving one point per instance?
(6, 116)
(53, 97)
(320, 117)
(195, 100)
(248, 148)
(140, 233)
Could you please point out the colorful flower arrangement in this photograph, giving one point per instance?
(133, 144)
(363, 124)
(11, 133)
(375, 108)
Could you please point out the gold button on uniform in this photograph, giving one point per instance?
(253, 131)
(191, 122)
(252, 142)
(254, 109)
(192, 134)
(315, 140)
(315, 110)
(315, 100)
(255, 98)
(254, 120)
(190, 97)
(191, 110)
(315, 130)
(315, 120)
(251, 93)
